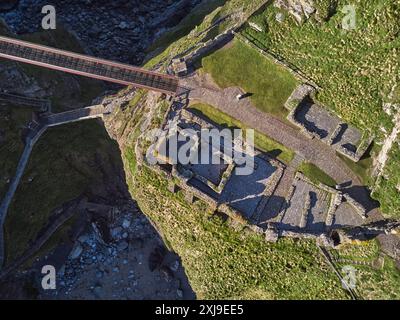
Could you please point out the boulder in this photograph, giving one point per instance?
(126, 223)
(76, 252)
(179, 293)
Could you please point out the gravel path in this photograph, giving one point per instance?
(243, 110)
(203, 89)
(313, 151)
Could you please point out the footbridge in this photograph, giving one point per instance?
(84, 65)
(92, 112)
(39, 105)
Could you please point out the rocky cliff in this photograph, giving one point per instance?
(77, 170)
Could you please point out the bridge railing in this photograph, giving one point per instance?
(79, 64)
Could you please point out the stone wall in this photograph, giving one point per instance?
(204, 48)
(298, 95)
(360, 209)
(362, 147)
(278, 60)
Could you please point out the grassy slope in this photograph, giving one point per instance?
(372, 283)
(356, 70)
(192, 20)
(200, 33)
(261, 141)
(61, 164)
(239, 65)
(224, 263)
(61, 167)
(220, 261)
(362, 168)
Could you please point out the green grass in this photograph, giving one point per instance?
(60, 236)
(11, 146)
(387, 189)
(361, 168)
(240, 65)
(62, 163)
(191, 21)
(261, 141)
(315, 174)
(222, 262)
(60, 153)
(356, 70)
(371, 283)
(196, 36)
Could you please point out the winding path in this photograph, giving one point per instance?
(30, 142)
(51, 120)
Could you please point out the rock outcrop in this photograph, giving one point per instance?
(301, 10)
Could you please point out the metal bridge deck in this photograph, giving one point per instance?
(79, 64)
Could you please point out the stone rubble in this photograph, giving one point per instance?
(119, 30)
(117, 269)
(301, 10)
